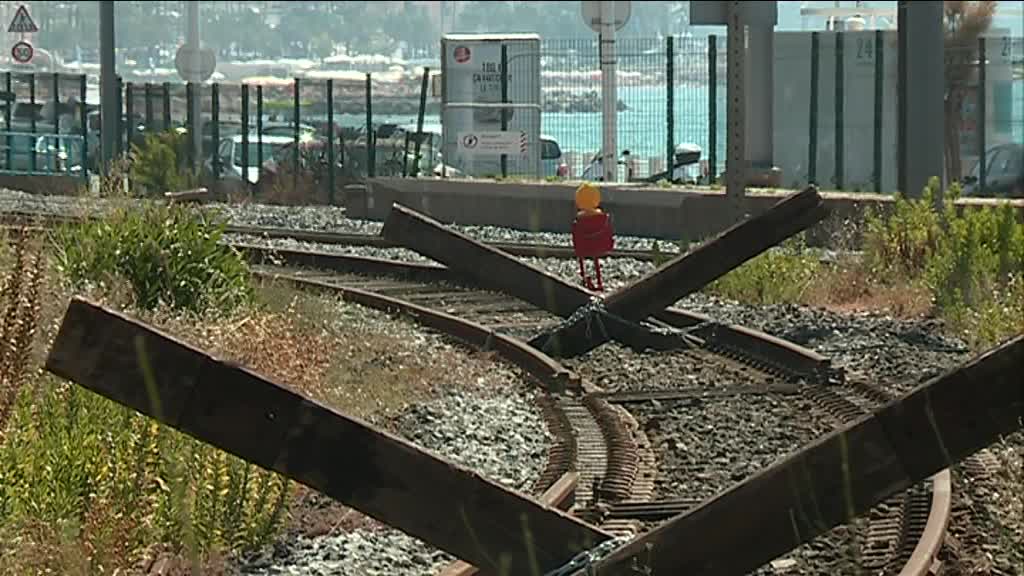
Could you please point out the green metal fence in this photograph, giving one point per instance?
(834, 120)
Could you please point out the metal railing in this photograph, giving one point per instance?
(671, 92)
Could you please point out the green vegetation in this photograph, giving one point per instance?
(167, 254)
(783, 274)
(965, 266)
(160, 165)
(88, 486)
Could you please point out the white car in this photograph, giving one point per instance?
(230, 153)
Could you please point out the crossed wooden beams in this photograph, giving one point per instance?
(625, 308)
(500, 531)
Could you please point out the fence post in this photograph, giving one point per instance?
(371, 151)
(119, 120)
(670, 105)
(56, 103)
(129, 112)
(259, 129)
(840, 111)
(879, 105)
(55, 98)
(295, 133)
(32, 121)
(712, 109)
(7, 118)
(812, 130)
(190, 122)
(246, 184)
(417, 147)
(215, 129)
(83, 90)
(166, 97)
(982, 107)
(504, 100)
(330, 141)
(149, 107)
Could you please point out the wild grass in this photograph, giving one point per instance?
(90, 487)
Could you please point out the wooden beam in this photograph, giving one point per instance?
(558, 494)
(839, 476)
(381, 475)
(688, 273)
(496, 270)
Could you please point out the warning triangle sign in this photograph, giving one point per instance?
(22, 22)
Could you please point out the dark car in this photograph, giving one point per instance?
(1004, 173)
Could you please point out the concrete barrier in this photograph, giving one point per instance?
(664, 213)
(45, 185)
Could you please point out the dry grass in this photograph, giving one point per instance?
(345, 356)
(847, 289)
(20, 285)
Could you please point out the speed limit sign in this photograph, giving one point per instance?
(22, 52)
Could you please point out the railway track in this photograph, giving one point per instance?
(599, 439)
(595, 435)
(9, 218)
(905, 533)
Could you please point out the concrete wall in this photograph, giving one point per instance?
(44, 185)
(669, 214)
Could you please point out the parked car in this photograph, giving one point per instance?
(54, 154)
(1004, 173)
(306, 131)
(230, 154)
(552, 163)
(686, 167)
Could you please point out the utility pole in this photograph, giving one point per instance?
(736, 136)
(609, 100)
(922, 83)
(192, 39)
(109, 109)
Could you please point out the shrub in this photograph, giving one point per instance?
(160, 165)
(962, 256)
(780, 275)
(971, 260)
(168, 254)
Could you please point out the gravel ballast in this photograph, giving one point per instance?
(492, 428)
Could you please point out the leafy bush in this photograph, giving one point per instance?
(160, 164)
(780, 275)
(168, 254)
(962, 256)
(971, 260)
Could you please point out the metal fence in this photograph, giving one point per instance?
(671, 92)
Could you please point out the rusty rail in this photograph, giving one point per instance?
(786, 357)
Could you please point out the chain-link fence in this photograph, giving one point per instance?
(834, 118)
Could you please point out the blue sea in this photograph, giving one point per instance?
(642, 128)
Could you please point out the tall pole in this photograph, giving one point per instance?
(109, 109)
(924, 80)
(192, 39)
(736, 137)
(608, 91)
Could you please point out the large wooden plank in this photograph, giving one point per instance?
(496, 270)
(379, 474)
(559, 494)
(842, 475)
(689, 272)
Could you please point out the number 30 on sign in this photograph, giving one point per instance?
(22, 52)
